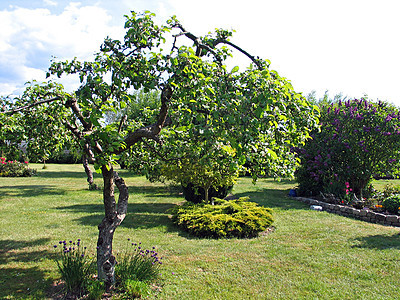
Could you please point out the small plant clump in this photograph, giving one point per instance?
(74, 266)
(136, 270)
(15, 168)
(225, 219)
(392, 204)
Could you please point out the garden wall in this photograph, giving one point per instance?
(360, 214)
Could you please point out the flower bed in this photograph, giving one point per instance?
(367, 215)
(15, 168)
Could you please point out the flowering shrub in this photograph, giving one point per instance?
(357, 140)
(74, 265)
(15, 168)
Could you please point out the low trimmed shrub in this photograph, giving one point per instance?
(392, 204)
(225, 219)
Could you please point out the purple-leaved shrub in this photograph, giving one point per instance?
(357, 140)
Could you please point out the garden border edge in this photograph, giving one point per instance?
(360, 214)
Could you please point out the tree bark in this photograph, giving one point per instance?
(89, 173)
(114, 215)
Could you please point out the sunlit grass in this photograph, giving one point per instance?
(310, 255)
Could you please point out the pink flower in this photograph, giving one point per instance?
(347, 184)
(26, 162)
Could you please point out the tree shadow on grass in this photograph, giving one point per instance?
(154, 191)
(30, 190)
(139, 215)
(18, 282)
(65, 174)
(379, 242)
(273, 198)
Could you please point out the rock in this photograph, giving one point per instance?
(316, 207)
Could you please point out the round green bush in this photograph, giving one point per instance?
(392, 204)
(225, 219)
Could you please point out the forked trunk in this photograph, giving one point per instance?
(114, 215)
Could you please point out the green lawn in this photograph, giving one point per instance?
(310, 255)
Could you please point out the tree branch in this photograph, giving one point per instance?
(13, 111)
(151, 131)
(255, 60)
(122, 122)
(208, 48)
(73, 104)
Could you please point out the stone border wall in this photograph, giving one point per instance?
(360, 214)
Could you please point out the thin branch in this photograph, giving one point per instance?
(208, 48)
(255, 60)
(13, 111)
(122, 122)
(159, 154)
(197, 42)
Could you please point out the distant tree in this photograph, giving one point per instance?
(10, 131)
(255, 112)
(326, 99)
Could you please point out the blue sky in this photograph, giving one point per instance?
(343, 46)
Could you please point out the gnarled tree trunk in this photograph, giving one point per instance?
(114, 215)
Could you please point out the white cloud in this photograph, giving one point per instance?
(340, 46)
(50, 3)
(32, 36)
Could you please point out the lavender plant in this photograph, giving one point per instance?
(357, 140)
(138, 265)
(74, 265)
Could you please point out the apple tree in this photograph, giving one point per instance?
(254, 113)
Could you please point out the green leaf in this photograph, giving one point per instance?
(235, 69)
(272, 154)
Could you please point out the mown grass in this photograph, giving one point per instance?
(310, 255)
